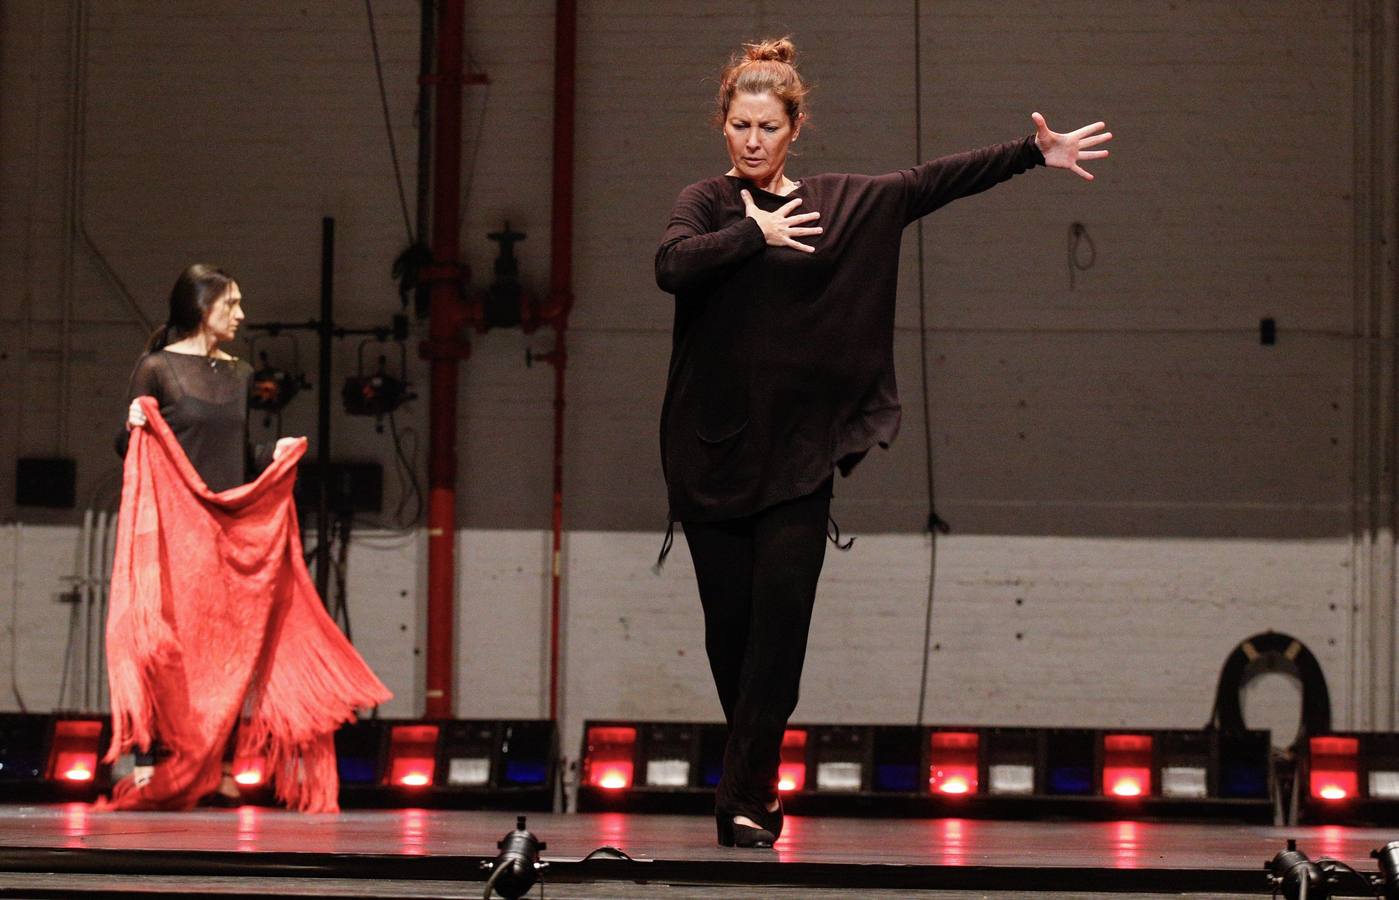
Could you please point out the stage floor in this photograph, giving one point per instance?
(74, 850)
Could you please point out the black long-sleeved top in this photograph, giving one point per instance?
(205, 402)
(782, 362)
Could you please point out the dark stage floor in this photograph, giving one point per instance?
(73, 850)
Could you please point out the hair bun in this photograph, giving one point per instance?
(776, 50)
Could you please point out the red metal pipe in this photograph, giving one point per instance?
(560, 296)
(444, 349)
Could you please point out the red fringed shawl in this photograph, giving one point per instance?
(213, 619)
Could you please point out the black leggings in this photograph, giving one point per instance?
(757, 581)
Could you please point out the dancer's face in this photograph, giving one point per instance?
(225, 314)
(759, 132)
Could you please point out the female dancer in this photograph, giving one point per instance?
(781, 372)
(195, 626)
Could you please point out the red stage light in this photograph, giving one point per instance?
(953, 763)
(609, 759)
(791, 770)
(248, 771)
(1335, 768)
(412, 755)
(1127, 765)
(73, 753)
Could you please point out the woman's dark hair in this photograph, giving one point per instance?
(194, 292)
(767, 66)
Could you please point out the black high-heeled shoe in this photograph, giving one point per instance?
(733, 834)
(770, 819)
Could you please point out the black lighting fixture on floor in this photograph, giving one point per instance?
(517, 867)
(967, 771)
(1297, 877)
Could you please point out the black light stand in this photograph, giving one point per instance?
(326, 330)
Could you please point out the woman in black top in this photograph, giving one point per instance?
(202, 392)
(782, 370)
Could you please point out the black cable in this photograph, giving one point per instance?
(388, 123)
(935, 523)
(406, 467)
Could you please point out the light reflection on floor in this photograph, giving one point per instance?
(75, 824)
(413, 832)
(1127, 844)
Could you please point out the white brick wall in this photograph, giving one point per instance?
(1122, 457)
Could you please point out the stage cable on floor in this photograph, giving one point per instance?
(388, 122)
(935, 524)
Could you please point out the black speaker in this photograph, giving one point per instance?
(354, 486)
(46, 481)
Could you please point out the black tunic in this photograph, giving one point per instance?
(782, 362)
(205, 401)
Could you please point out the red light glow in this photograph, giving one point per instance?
(248, 778)
(77, 766)
(1127, 762)
(412, 755)
(953, 780)
(1127, 783)
(609, 759)
(1332, 785)
(74, 749)
(1335, 773)
(791, 776)
(791, 770)
(953, 768)
(613, 775)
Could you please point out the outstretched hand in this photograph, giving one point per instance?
(1064, 151)
(779, 228)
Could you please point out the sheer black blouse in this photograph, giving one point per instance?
(205, 401)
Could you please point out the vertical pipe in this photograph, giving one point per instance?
(324, 330)
(561, 297)
(444, 352)
(426, 35)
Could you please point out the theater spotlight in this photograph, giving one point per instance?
(517, 867)
(377, 393)
(272, 388)
(1297, 876)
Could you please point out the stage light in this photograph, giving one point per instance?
(838, 776)
(898, 760)
(1069, 762)
(1388, 861)
(1297, 876)
(1127, 765)
(1384, 785)
(517, 867)
(1188, 782)
(74, 750)
(412, 755)
(610, 757)
(1334, 767)
(1011, 779)
(667, 772)
(1011, 759)
(667, 749)
(791, 770)
(953, 763)
(837, 757)
(249, 771)
(469, 771)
